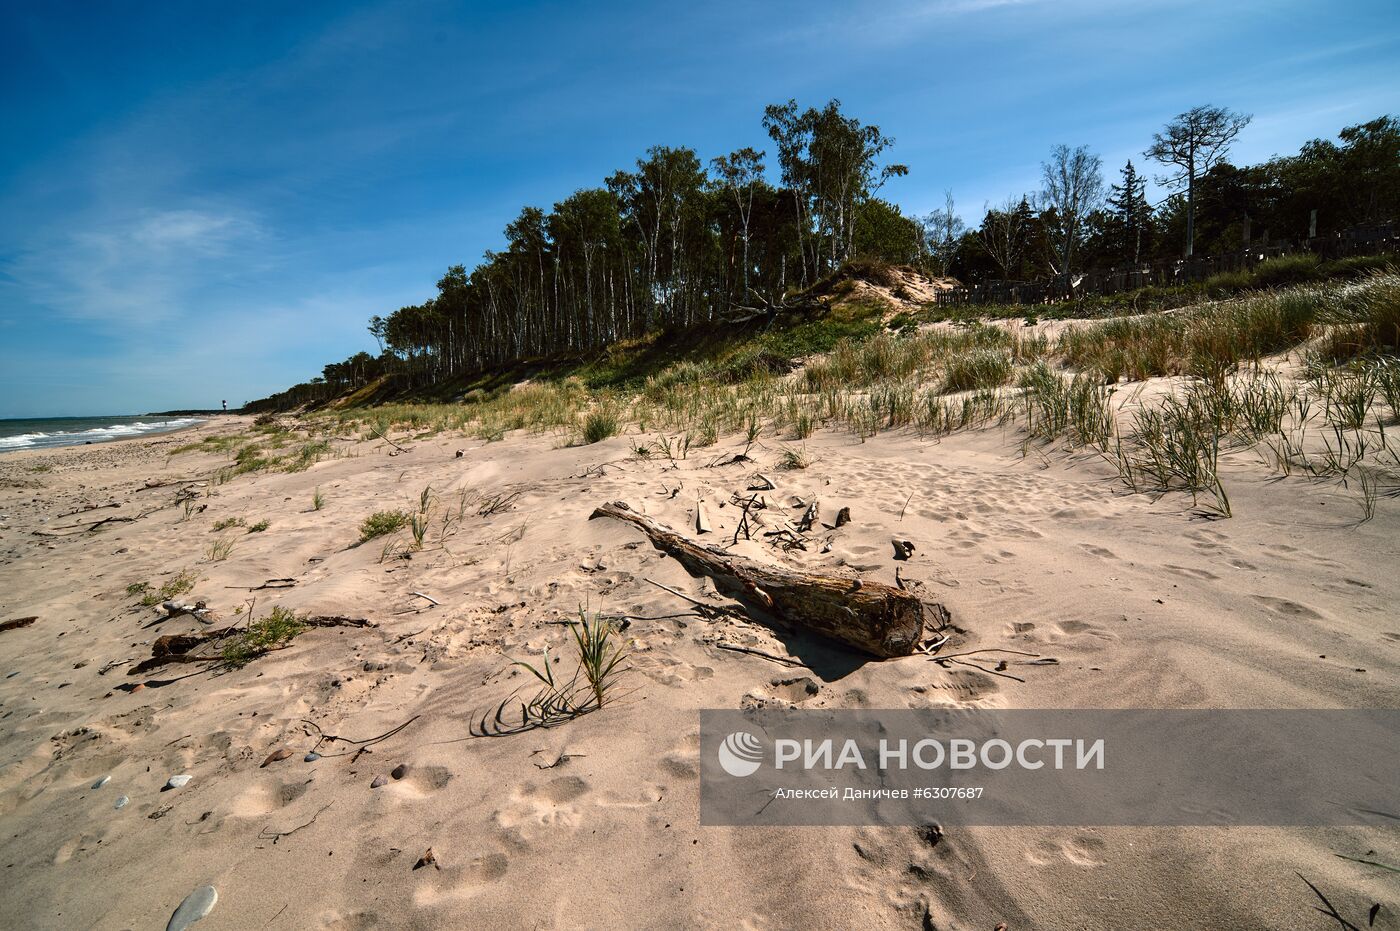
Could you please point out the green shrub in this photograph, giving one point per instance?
(275, 630)
(381, 523)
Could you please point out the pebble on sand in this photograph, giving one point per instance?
(121, 802)
(197, 904)
(399, 771)
(102, 782)
(177, 782)
(378, 781)
(311, 757)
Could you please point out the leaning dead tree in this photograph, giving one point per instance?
(765, 308)
(870, 616)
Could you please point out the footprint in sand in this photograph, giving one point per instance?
(1192, 573)
(1081, 850)
(534, 810)
(1288, 608)
(265, 798)
(1080, 628)
(668, 671)
(959, 687)
(422, 781)
(75, 846)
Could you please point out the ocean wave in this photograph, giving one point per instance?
(93, 434)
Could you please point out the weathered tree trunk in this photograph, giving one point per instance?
(871, 616)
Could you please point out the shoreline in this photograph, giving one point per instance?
(152, 435)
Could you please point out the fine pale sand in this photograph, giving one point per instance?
(594, 824)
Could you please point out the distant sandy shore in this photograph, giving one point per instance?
(594, 824)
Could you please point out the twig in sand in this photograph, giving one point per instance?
(988, 650)
(906, 505)
(426, 597)
(91, 507)
(270, 583)
(992, 672)
(275, 836)
(362, 744)
(735, 648)
(682, 595)
(563, 758)
(376, 432)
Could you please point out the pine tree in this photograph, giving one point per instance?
(1132, 215)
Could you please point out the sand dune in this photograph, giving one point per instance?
(595, 824)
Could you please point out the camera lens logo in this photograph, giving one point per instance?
(741, 754)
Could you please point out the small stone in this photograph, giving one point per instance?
(12, 675)
(311, 757)
(399, 771)
(102, 782)
(121, 802)
(197, 904)
(177, 782)
(378, 781)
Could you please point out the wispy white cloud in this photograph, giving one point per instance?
(136, 269)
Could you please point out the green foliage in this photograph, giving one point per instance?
(318, 500)
(259, 527)
(601, 664)
(600, 423)
(178, 585)
(1298, 268)
(219, 550)
(276, 629)
(228, 522)
(977, 368)
(382, 523)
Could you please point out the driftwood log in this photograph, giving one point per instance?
(873, 617)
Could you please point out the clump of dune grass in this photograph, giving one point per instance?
(259, 527)
(794, 459)
(1075, 408)
(601, 665)
(600, 423)
(175, 586)
(318, 500)
(977, 368)
(382, 523)
(227, 522)
(221, 549)
(273, 631)
(1175, 446)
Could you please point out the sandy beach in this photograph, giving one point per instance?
(594, 824)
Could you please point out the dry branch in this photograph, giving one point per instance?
(871, 616)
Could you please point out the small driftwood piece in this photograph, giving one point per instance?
(873, 617)
(19, 622)
(702, 518)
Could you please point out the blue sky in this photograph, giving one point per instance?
(208, 200)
